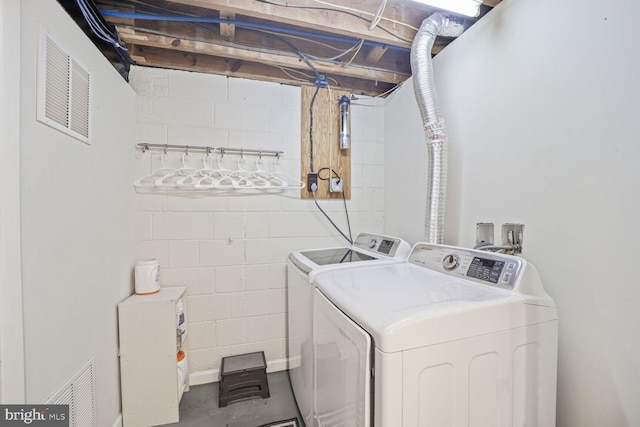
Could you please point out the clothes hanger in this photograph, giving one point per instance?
(199, 178)
(269, 177)
(292, 183)
(170, 180)
(223, 175)
(149, 181)
(242, 175)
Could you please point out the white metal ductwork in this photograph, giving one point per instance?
(434, 126)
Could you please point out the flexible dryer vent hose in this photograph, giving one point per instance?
(434, 126)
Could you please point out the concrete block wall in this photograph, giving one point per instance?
(230, 250)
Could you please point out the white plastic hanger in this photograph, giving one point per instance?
(196, 177)
(242, 175)
(224, 176)
(292, 183)
(149, 181)
(269, 177)
(170, 180)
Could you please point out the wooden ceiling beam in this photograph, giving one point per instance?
(316, 16)
(171, 59)
(228, 31)
(226, 48)
(374, 55)
(395, 60)
(141, 38)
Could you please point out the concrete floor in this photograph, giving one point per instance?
(199, 406)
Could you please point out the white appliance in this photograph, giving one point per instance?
(302, 267)
(453, 337)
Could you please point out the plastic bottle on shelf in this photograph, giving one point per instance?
(183, 371)
(180, 324)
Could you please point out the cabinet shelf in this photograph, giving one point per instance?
(149, 377)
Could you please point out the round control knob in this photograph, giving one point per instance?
(450, 262)
(373, 243)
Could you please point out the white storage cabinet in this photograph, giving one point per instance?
(150, 339)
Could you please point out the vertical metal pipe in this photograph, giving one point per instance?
(345, 123)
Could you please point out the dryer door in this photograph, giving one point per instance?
(342, 356)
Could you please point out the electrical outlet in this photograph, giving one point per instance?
(312, 182)
(335, 185)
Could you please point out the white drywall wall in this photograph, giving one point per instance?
(77, 212)
(541, 102)
(12, 388)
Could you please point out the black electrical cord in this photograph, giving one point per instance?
(313, 100)
(346, 212)
(344, 200)
(332, 223)
(312, 168)
(318, 82)
(327, 178)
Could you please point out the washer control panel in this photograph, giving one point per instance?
(450, 262)
(488, 268)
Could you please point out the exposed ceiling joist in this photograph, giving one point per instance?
(298, 43)
(171, 59)
(375, 54)
(316, 16)
(142, 38)
(228, 31)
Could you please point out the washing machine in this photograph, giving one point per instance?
(454, 337)
(302, 267)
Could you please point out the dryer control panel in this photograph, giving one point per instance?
(488, 268)
(379, 244)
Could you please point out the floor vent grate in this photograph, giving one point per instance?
(79, 394)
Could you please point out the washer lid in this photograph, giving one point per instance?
(316, 260)
(366, 248)
(335, 256)
(404, 306)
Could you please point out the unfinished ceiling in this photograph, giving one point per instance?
(361, 46)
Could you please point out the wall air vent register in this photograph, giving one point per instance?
(64, 90)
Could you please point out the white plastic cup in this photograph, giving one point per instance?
(147, 276)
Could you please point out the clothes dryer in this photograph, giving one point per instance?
(453, 337)
(302, 267)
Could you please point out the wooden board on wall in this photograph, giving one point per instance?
(326, 145)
